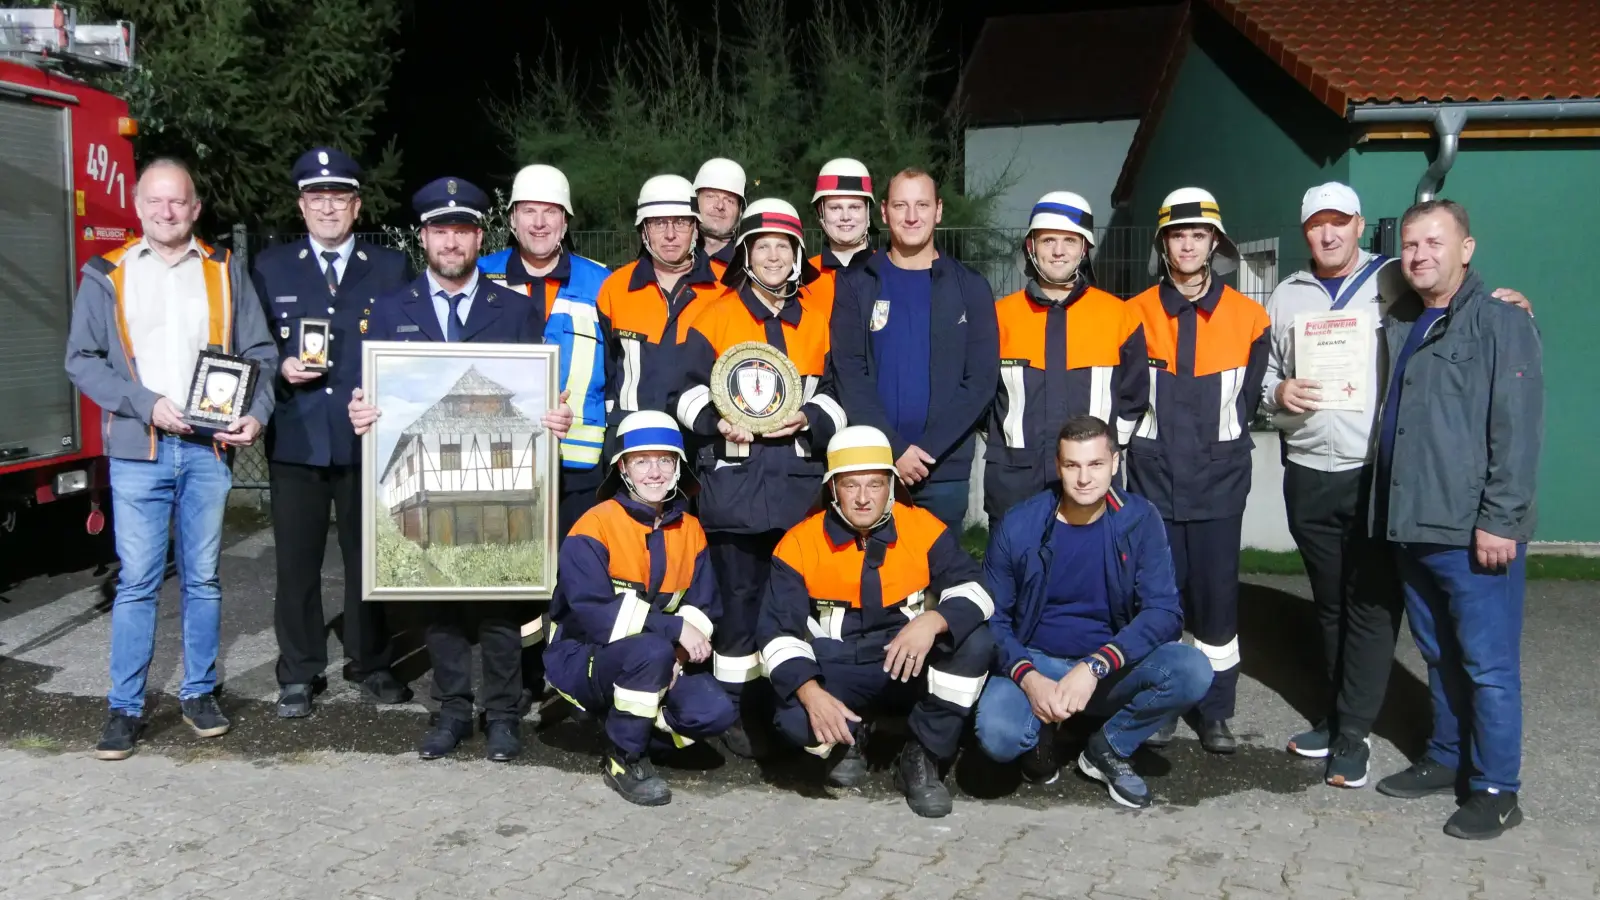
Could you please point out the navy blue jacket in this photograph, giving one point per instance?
(310, 425)
(497, 315)
(1145, 612)
(964, 362)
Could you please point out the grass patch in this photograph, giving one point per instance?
(402, 562)
(1541, 567)
(37, 743)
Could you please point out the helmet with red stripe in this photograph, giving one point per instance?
(767, 216)
(843, 177)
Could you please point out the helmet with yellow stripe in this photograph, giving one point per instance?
(862, 448)
(1193, 206)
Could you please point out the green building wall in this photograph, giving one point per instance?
(1238, 126)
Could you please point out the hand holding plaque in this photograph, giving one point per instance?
(314, 336)
(756, 387)
(219, 394)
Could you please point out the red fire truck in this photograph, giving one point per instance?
(66, 194)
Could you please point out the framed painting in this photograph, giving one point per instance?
(459, 493)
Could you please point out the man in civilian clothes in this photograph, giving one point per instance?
(916, 346)
(1458, 455)
(450, 303)
(313, 454)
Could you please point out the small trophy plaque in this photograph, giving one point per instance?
(756, 387)
(314, 335)
(221, 390)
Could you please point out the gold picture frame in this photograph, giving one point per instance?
(756, 387)
(460, 487)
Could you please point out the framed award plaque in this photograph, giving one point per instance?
(756, 387)
(220, 392)
(314, 335)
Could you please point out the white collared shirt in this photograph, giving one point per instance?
(169, 317)
(344, 250)
(441, 302)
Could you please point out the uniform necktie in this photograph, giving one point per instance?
(331, 271)
(453, 332)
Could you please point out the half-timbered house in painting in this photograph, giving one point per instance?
(464, 472)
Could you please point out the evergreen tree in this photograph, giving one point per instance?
(240, 88)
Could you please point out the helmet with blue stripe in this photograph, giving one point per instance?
(648, 430)
(1061, 211)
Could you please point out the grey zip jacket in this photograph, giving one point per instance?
(100, 358)
(1470, 423)
(1328, 440)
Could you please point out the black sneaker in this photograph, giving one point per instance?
(1039, 764)
(503, 738)
(294, 701)
(1100, 762)
(1347, 762)
(1423, 778)
(1313, 744)
(1163, 735)
(204, 716)
(118, 737)
(847, 766)
(1486, 814)
(916, 774)
(635, 779)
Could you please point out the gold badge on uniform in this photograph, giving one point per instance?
(363, 326)
(284, 332)
(880, 314)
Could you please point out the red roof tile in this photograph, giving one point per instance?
(1360, 51)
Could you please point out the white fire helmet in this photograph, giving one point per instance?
(648, 430)
(1193, 206)
(862, 448)
(665, 197)
(1062, 211)
(843, 177)
(723, 175)
(542, 184)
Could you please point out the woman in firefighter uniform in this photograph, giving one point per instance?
(872, 605)
(843, 203)
(1067, 348)
(754, 488)
(634, 601)
(1190, 453)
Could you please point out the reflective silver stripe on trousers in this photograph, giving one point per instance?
(629, 395)
(830, 618)
(1223, 657)
(1011, 378)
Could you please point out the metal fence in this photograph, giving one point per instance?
(1121, 264)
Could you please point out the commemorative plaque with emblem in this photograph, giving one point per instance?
(220, 392)
(314, 335)
(756, 387)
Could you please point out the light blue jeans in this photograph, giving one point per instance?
(186, 486)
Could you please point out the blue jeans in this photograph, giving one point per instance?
(1467, 622)
(190, 479)
(1138, 699)
(947, 500)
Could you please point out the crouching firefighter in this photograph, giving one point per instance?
(634, 603)
(756, 487)
(873, 606)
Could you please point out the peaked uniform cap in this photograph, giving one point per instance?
(665, 197)
(326, 169)
(843, 177)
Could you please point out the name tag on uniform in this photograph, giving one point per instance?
(880, 315)
(289, 299)
(402, 329)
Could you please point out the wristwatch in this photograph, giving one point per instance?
(1097, 666)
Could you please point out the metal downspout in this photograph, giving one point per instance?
(1447, 124)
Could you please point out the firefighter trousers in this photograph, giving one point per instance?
(1205, 559)
(628, 684)
(741, 563)
(937, 702)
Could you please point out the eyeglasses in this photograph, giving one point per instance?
(676, 223)
(646, 463)
(339, 202)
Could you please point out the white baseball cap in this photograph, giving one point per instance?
(1334, 196)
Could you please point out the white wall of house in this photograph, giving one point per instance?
(477, 471)
(1084, 157)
